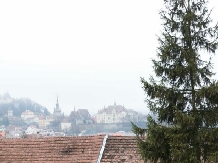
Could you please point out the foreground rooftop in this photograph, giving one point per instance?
(84, 149)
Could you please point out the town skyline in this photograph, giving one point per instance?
(23, 117)
(6, 97)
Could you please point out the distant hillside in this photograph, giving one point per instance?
(19, 105)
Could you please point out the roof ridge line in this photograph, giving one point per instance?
(102, 148)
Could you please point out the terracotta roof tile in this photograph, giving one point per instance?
(84, 149)
(121, 149)
(55, 149)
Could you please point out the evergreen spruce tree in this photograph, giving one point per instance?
(183, 94)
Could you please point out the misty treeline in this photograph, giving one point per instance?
(19, 105)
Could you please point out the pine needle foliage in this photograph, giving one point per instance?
(182, 94)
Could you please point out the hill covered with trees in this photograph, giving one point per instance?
(19, 105)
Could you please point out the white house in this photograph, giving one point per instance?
(32, 130)
(44, 122)
(66, 124)
(27, 115)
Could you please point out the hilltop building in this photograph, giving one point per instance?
(27, 114)
(117, 114)
(111, 114)
(29, 117)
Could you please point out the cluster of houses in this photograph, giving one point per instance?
(57, 124)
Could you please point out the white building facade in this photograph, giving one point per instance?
(112, 114)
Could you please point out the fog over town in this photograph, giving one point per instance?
(89, 53)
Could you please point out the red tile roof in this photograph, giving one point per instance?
(121, 149)
(84, 149)
(55, 149)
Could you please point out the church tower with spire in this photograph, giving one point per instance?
(57, 110)
(57, 104)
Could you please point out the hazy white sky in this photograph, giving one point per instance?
(89, 52)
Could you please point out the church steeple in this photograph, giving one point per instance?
(57, 105)
(57, 110)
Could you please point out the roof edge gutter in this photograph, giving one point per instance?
(102, 148)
